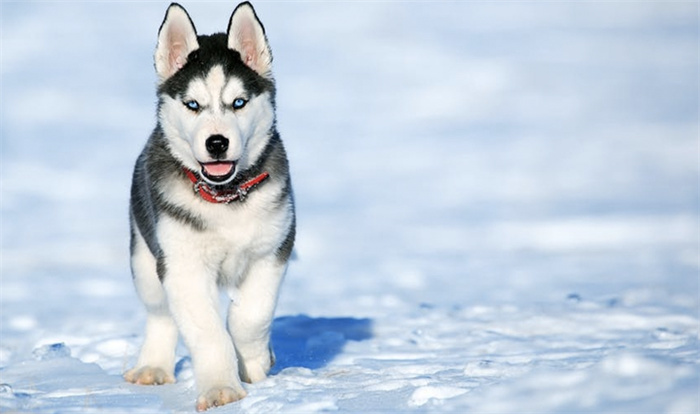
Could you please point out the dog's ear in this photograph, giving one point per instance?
(246, 35)
(177, 38)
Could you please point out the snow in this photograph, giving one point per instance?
(497, 206)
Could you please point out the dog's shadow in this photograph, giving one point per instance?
(303, 341)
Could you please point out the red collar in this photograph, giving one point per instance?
(223, 196)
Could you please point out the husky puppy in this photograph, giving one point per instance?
(211, 207)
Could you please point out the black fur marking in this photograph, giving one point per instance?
(180, 214)
(132, 234)
(141, 207)
(161, 268)
(285, 250)
(285, 196)
(215, 48)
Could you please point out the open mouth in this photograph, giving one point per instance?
(218, 172)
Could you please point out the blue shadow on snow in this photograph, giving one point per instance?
(303, 341)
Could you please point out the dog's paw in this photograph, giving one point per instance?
(254, 370)
(219, 396)
(149, 376)
(253, 373)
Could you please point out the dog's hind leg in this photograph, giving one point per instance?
(250, 318)
(156, 363)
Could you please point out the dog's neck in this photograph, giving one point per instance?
(226, 194)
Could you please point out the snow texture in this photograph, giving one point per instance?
(497, 206)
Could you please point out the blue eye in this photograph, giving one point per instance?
(192, 105)
(239, 103)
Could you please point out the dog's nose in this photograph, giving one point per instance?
(217, 145)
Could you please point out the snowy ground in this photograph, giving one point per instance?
(498, 206)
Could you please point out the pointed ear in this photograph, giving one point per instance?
(246, 35)
(177, 38)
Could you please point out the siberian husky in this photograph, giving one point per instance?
(211, 207)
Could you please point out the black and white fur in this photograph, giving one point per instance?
(183, 248)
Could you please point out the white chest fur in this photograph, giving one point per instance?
(233, 235)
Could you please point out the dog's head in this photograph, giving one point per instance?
(216, 93)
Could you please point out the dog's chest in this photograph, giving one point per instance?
(232, 236)
(236, 237)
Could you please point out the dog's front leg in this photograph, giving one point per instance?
(156, 361)
(250, 318)
(193, 303)
(192, 294)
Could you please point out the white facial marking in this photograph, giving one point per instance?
(215, 116)
(247, 129)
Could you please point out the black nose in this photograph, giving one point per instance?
(217, 145)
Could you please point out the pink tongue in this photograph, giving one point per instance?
(217, 169)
